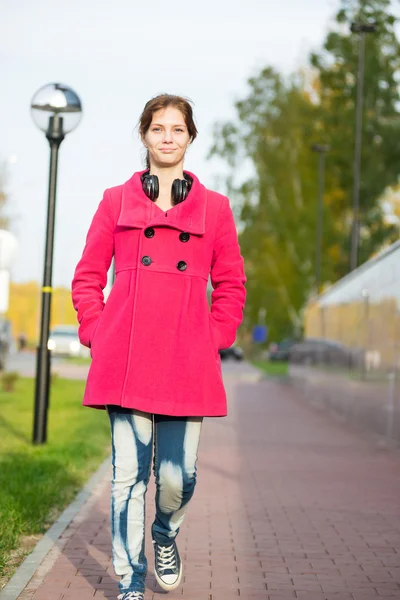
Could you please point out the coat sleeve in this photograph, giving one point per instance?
(90, 277)
(227, 279)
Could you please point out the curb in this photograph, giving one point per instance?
(29, 566)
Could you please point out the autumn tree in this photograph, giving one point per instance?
(274, 129)
(337, 71)
(277, 123)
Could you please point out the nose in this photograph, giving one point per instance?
(167, 136)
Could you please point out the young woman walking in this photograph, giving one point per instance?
(155, 342)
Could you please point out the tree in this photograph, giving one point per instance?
(277, 122)
(337, 72)
(275, 128)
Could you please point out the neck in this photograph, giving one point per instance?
(166, 175)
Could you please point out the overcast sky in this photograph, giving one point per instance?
(116, 55)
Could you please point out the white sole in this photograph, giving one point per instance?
(173, 586)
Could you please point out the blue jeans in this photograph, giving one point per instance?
(175, 441)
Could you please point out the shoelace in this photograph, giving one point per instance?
(131, 596)
(166, 557)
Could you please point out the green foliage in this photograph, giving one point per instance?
(337, 72)
(277, 122)
(36, 482)
(272, 369)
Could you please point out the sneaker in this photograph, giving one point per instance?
(131, 596)
(167, 566)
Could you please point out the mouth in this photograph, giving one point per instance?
(167, 150)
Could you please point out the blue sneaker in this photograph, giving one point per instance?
(167, 566)
(131, 596)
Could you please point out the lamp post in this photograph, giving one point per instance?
(321, 149)
(56, 110)
(362, 29)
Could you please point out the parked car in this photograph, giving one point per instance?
(313, 351)
(280, 350)
(64, 341)
(234, 352)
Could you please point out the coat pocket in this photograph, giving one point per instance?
(93, 336)
(214, 344)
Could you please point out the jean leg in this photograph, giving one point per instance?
(132, 436)
(176, 441)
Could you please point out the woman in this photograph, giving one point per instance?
(154, 344)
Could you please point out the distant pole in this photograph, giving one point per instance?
(362, 29)
(321, 149)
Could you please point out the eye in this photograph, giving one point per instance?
(156, 129)
(179, 129)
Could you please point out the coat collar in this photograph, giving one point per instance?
(137, 210)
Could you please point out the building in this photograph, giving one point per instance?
(361, 313)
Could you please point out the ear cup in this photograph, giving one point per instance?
(150, 185)
(179, 191)
(180, 187)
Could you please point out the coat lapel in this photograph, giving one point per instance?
(137, 210)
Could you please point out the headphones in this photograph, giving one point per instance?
(180, 187)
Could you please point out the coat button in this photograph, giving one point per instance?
(146, 261)
(149, 232)
(184, 236)
(182, 266)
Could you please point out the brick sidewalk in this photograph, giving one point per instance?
(289, 504)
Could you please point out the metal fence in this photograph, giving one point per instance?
(362, 313)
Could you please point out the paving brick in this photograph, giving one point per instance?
(287, 499)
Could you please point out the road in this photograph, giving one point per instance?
(25, 364)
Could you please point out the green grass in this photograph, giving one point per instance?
(37, 482)
(78, 360)
(272, 367)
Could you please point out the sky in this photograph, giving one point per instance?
(116, 56)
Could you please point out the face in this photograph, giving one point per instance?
(167, 137)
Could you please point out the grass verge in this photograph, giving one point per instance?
(37, 482)
(78, 360)
(272, 368)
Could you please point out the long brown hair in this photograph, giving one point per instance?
(162, 101)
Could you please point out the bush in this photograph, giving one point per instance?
(9, 379)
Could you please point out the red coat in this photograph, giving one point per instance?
(155, 342)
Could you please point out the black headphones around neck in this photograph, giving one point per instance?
(180, 187)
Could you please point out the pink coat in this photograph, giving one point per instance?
(155, 342)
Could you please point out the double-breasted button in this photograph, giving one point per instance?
(149, 232)
(184, 236)
(182, 266)
(146, 261)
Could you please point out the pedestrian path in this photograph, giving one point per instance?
(289, 504)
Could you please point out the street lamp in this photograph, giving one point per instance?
(362, 29)
(321, 149)
(56, 110)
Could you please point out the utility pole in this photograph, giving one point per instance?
(362, 30)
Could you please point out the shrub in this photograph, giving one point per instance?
(9, 379)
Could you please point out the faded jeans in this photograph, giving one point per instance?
(175, 441)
